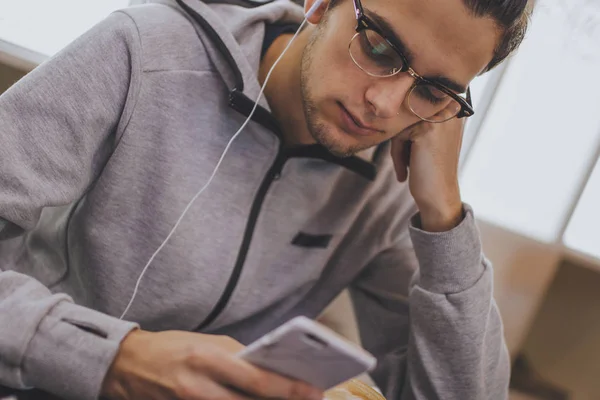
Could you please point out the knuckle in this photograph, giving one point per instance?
(186, 391)
(194, 355)
(291, 389)
(307, 391)
(298, 391)
(258, 384)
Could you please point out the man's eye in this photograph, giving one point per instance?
(431, 94)
(377, 50)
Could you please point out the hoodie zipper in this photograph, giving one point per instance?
(272, 175)
(240, 102)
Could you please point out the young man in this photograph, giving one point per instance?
(104, 146)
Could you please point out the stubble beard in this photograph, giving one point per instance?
(317, 129)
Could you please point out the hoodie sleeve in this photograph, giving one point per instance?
(57, 128)
(442, 336)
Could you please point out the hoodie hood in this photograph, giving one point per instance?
(235, 32)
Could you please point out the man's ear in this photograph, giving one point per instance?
(314, 10)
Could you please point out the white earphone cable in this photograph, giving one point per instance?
(139, 280)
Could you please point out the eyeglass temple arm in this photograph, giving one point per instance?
(463, 113)
(357, 8)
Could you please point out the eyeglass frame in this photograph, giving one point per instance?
(365, 23)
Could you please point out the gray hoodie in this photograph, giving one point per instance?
(103, 146)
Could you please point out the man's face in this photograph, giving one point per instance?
(443, 39)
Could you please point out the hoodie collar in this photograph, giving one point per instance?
(241, 77)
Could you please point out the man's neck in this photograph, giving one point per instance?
(283, 91)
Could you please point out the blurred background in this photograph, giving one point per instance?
(530, 168)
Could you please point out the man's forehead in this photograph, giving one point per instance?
(440, 37)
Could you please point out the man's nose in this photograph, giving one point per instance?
(387, 96)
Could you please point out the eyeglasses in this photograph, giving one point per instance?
(378, 56)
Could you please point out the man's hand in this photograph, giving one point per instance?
(191, 366)
(430, 152)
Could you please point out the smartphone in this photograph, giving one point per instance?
(305, 350)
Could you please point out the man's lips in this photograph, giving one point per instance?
(352, 124)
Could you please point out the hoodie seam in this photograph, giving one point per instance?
(135, 84)
(120, 130)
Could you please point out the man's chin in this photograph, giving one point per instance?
(339, 144)
(332, 137)
(341, 153)
(337, 149)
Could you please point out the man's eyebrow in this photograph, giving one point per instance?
(389, 32)
(449, 83)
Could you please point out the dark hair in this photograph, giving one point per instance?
(512, 17)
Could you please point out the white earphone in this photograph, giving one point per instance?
(312, 9)
(308, 14)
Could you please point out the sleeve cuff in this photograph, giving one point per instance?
(72, 351)
(449, 262)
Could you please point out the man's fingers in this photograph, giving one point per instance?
(255, 382)
(447, 113)
(400, 152)
(204, 389)
(460, 140)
